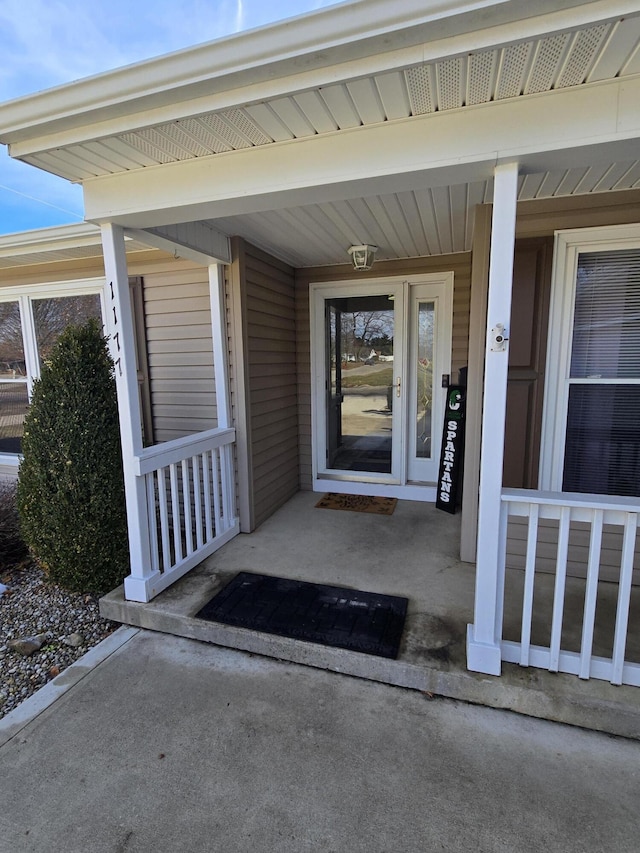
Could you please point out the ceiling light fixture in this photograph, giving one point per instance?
(362, 257)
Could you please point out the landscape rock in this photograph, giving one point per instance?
(34, 606)
(74, 640)
(26, 646)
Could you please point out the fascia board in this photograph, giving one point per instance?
(49, 239)
(449, 147)
(57, 238)
(316, 48)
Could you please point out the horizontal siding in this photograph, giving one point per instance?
(578, 555)
(180, 351)
(270, 365)
(541, 218)
(460, 264)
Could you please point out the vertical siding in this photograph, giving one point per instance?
(264, 294)
(180, 351)
(460, 264)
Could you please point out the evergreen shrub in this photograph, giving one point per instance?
(70, 483)
(12, 547)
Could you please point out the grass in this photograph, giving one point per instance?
(380, 378)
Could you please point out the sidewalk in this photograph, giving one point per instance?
(174, 746)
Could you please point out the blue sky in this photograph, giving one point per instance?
(45, 43)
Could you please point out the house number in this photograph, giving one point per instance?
(116, 334)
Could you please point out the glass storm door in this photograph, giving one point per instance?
(385, 348)
(359, 353)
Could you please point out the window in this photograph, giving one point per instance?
(31, 321)
(592, 408)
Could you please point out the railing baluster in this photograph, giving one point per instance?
(529, 578)
(175, 512)
(197, 495)
(591, 593)
(206, 482)
(215, 474)
(153, 522)
(502, 557)
(186, 500)
(558, 593)
(600, 512)
(624, 597)
(164, 519)
(199, 518)
(229, 487)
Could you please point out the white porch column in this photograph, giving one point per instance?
(120, 328)
(220, 355)
(483, 637)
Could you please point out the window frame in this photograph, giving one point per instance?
(568, 246)
(24, 295)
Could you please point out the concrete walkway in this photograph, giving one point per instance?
(175, 746)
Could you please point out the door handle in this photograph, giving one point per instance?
(398, 387)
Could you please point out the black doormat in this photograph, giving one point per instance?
(331, 615)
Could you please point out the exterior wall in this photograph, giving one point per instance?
(264, 393)
(177, 312)
(176, 322)
(540, 219)
(578, 554)
(461, 266)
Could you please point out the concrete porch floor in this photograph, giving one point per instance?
(411, 553)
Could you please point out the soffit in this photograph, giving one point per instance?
(559, 60)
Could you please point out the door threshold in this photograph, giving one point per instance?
(409, 492)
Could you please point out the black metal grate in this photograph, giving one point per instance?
(331, 615)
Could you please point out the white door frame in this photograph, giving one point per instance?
(364, 483)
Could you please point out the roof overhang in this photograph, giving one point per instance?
(370, 121)
(346, 41)
(60, 243)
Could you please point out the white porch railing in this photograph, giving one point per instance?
(564, 509)
(190, 506)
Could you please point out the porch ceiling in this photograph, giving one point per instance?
(415, 223)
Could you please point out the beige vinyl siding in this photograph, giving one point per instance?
(540, 218)
(459, 263)
(263, 303)
(610, 555)
(180, 350)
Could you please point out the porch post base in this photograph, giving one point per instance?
(483, 657)
(140, 589)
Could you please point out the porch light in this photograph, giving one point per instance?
(362, 257)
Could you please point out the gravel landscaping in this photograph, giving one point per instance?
(50, 627)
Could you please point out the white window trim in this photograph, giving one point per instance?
(24, 294)
(569, 244)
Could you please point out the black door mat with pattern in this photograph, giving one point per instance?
(330, 615)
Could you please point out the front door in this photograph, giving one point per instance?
(381, 351)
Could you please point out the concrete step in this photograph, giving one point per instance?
(431, 659)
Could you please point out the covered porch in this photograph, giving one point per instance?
(413, 553)
(465, 134)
